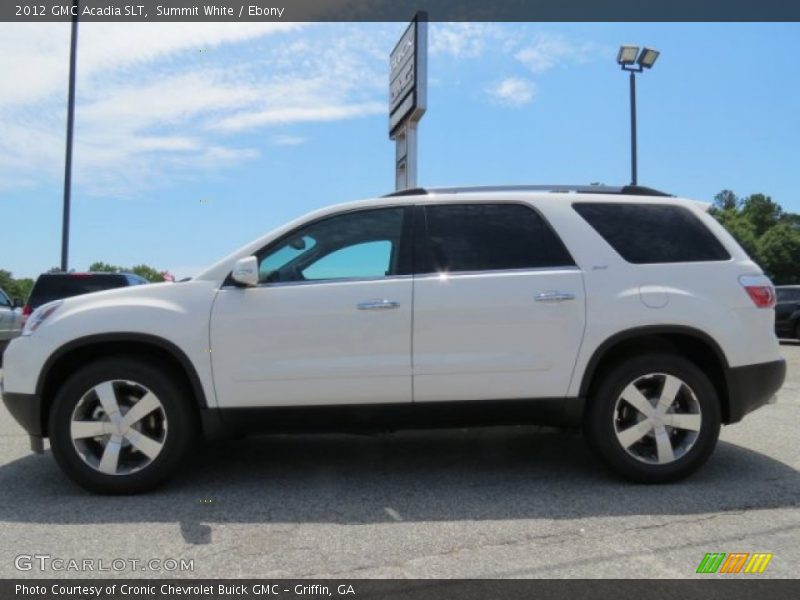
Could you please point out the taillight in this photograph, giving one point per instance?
(760, 290)
(26, 312)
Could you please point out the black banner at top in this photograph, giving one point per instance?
(397, 10)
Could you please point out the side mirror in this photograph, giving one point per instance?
(245, 271)
(17, 303)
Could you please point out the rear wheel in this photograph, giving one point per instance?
(654, 418)
(121, 426)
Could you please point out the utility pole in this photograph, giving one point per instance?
(73, 51)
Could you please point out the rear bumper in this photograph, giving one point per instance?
(752, 386)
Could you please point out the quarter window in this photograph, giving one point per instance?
(356, 245)
(653, 233)
(489, 237)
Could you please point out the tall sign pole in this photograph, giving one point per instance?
(408, 95)
(70, 128)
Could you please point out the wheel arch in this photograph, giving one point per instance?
(62, 363)
(695, 345)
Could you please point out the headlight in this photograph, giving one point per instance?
(39, 316)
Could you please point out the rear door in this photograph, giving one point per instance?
(498, 305)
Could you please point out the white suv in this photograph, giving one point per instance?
(624, 310)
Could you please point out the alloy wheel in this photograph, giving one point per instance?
(657, 418)
(118, 427)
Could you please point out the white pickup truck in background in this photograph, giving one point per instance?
(10, 321)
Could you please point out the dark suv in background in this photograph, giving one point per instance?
(787, 311)
(57, 286)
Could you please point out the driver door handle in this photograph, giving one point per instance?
(382, 304)
(554, 296)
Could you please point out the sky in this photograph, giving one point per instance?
(193, 139)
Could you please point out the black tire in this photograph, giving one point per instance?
(602, 418)
(178, 438)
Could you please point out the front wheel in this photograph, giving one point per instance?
(654, 418)
(121, 426)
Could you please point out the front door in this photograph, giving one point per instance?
(329, 322)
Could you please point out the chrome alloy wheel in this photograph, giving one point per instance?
(118, 427)
(657, 418)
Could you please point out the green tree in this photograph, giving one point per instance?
(741, 228)
(778, 253)
(148, 273)
(762, 212)
(17, 289)
(770, 235)
(726, 200)
(101, 267)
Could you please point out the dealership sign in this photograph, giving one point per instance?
(408, 75)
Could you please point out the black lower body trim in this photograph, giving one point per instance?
(27, 410)
(752, 386)
(562, 412)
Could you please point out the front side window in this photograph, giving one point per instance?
(355, 245)
(489, 237)
(653, 233)
(4, 301)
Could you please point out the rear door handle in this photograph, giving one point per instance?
(554, 296)
(377, 305)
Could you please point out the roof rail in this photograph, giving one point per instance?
(408, 192)
(626, 190)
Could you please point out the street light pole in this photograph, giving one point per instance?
(633, 61)
(70, 130)
(633, 128)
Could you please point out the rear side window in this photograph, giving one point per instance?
(488, 237)
(56, 287)
(653, 233)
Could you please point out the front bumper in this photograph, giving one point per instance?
(752, 386)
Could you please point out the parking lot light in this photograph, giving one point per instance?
(648, 58)
(631, 60)
(627, 55)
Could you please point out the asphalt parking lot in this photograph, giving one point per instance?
(505, 502)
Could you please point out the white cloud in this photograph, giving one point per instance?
(289, 140)
(513, 91)
(548, 51)
(463, 40)
(299, 114)
(35, 55)
(156, 102)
